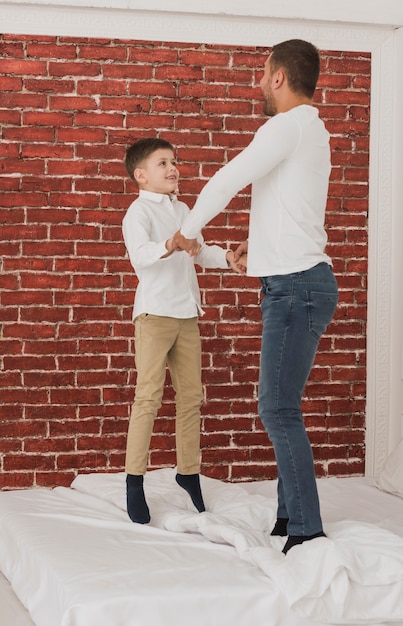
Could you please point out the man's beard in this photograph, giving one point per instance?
(269, 106)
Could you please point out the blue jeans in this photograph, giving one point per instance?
(296, 310)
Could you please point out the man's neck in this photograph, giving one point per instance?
(292, 100)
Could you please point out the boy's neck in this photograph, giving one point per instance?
(158, 193)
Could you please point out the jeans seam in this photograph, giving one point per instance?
(280, 421)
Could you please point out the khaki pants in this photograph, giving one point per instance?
(162, 341)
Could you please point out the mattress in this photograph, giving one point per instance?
(71, 557)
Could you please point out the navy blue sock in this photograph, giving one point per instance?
(136, 502)
(191, 484)
(295, 540)
(280, 527)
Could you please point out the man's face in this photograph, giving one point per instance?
(159, 172)
(269, 103)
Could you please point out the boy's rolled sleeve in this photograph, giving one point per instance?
(142, 252)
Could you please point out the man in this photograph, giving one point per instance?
(288, 164)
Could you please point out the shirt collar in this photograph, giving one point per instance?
(156, 197)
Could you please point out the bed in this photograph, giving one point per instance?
(71, 556)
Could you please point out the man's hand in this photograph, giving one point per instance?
(241, 250)
(239, 265)
(191, 246)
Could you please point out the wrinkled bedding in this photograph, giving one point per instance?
(74, 558)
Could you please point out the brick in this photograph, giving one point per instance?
(26, 363)
(79, 265)
(47, 216)
(52, 119)
(76, 68)
(50, 51)
(73, 200)
(8, 116)
(23, 67)
(175, 72)
(46, 85)
(139, 54)
(253, 472)
(72, 103)
(29, 330)
(43, 314)
(154, 88)
(231, 76)
(99, 119)
(99, 185)
(97, 329)
(16, 480)
(11, 83)
(203, 58)
(138, 122)
(80, 168)
(50, 479)
(176, 105)
(76, 231)
(44, 280)
(28, 462)
(81, 135)
(12, 50)
(104, 52)
(201, 90)
(85, 460)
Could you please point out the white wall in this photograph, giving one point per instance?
(385, 13)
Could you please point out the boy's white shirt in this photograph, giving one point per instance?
(167, 286)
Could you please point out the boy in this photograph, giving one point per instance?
(166, 307)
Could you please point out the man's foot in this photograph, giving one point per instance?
(280, 527)
(191, 484)
(136, 502)
(295, 540)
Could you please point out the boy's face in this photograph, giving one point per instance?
(158, 173)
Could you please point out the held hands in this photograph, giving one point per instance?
(239, 265)
(236, 260)
(242, 250)
(239, 259)
(179, 242)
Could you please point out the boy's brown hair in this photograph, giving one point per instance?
(141, 150)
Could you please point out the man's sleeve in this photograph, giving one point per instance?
(212, 256)
(273, 142)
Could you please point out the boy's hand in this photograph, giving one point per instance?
(192, 246)
(238, 264)
(170, 246)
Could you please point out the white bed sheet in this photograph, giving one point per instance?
(75, 559)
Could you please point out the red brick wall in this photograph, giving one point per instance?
(69, 107)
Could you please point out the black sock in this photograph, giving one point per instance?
(295, 540)
(136, 503)
(280, 527)
(191, 484)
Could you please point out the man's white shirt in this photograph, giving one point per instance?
(288, 164)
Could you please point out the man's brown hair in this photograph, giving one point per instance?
(300, 61)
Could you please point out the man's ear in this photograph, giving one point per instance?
(278, 78)
(139, 175)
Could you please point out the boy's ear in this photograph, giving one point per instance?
(139, 175)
